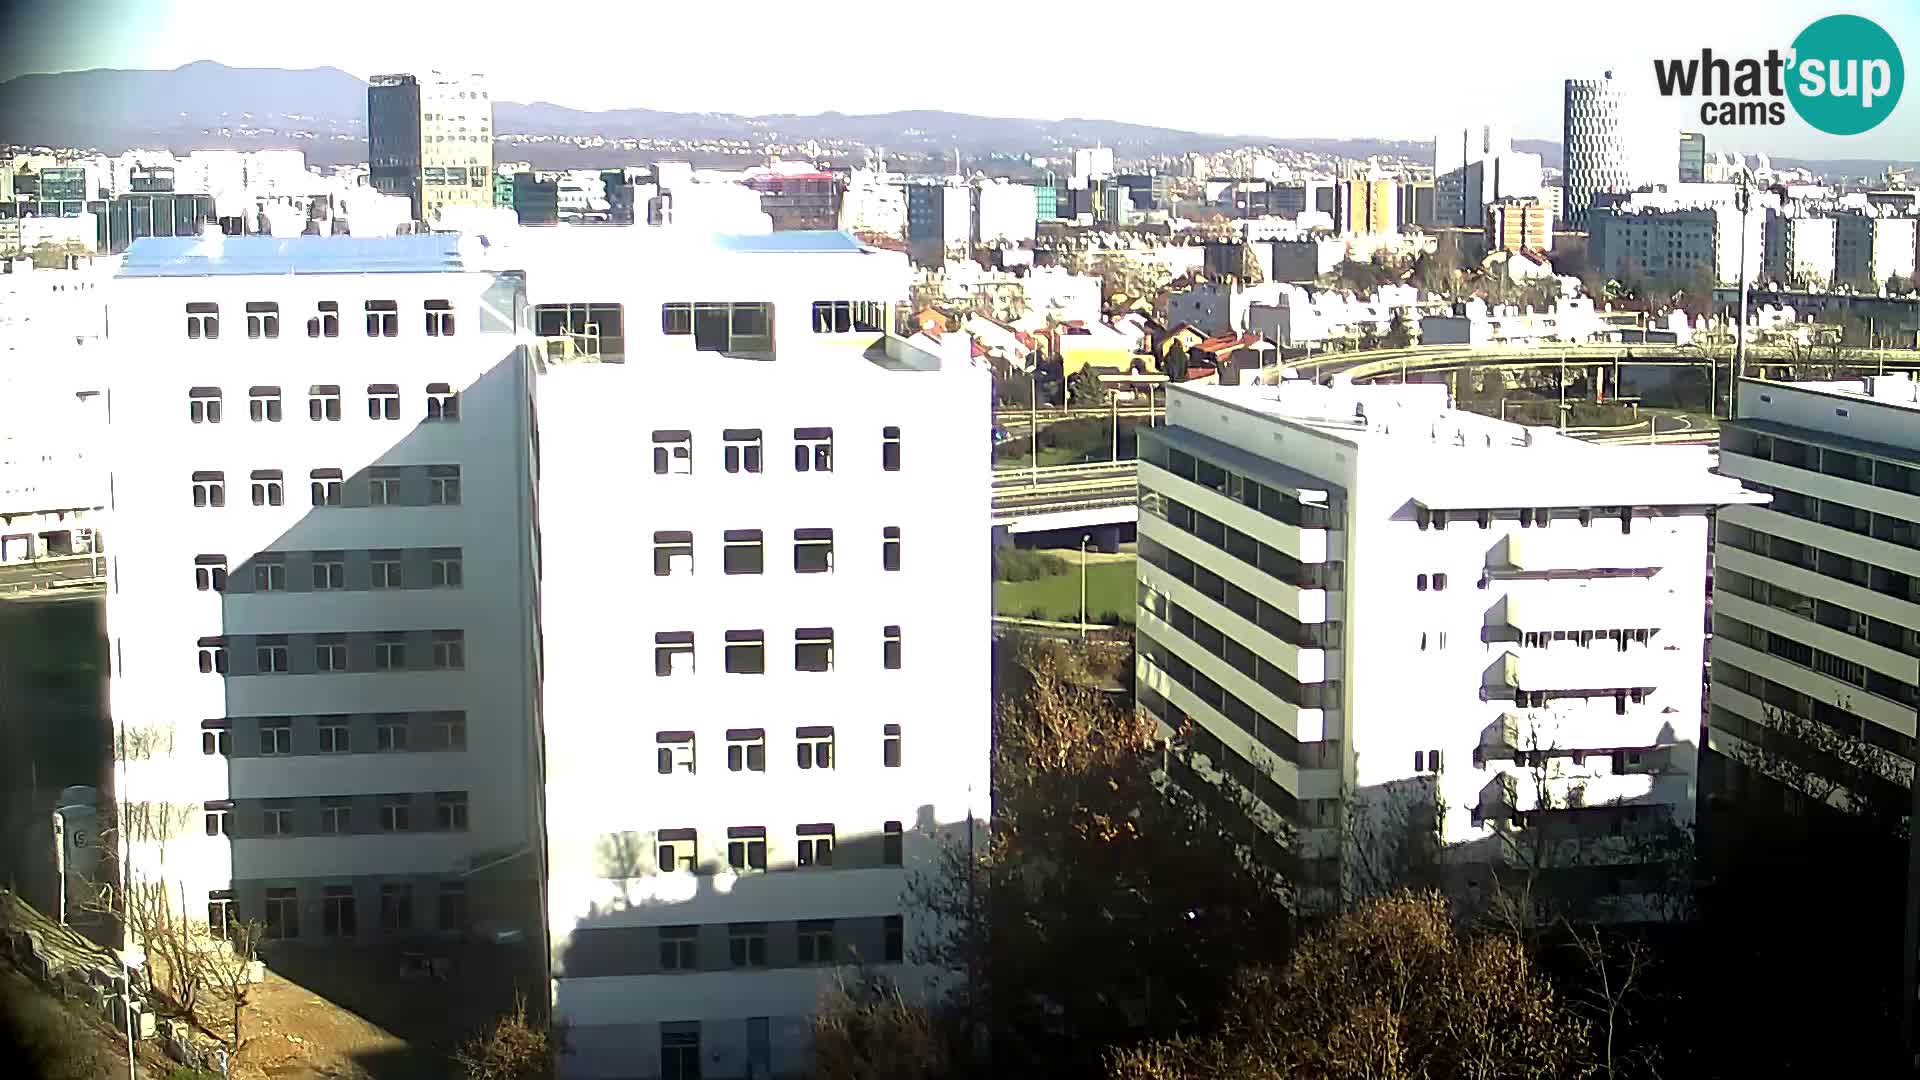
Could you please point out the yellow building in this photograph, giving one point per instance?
(1515, 225)
(1366, 206)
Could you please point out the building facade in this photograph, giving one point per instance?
(1368, 206)
(1870, 248)
(1004, 213)
(1800, 250)
(1613, 142)
(1693, 157)
(430, 138)
(1515, 225)
(939, 216)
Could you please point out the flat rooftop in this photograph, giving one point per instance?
(1898, 391)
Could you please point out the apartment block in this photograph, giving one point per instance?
(1800, 251)
(1869, 249)
(1516, 225)
(1376, 609)
(430, 138)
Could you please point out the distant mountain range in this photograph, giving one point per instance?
(206, 105)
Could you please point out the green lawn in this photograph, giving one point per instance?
(1110, 589)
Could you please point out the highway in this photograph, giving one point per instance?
(53, 577)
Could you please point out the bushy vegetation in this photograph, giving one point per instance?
(1018, 564)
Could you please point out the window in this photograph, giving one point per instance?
(330, 653)
(1439, 582)
(813, 747)
(815, 941)
(203, 321)
(443, 485)
(747, 944)
(325, 321)
(396, 906)
(890, 746)
(383, 486)
(329, 570)
(383, 401)
(677, 947)
(449, 650)
(446, 572)
(680, 1051)
(813, 648)
(722, 327)
(396, 814)
(890, 648)
(213, 656)
(450, 811)
(450, 731)
(276, 738)
(443, 402)
(1486, 519)
(593, 330)
(390, 735)
(336, 817)
(813, 449)
(215, 738)
(336, 911)
(269, 573)
(390, 654)
(672, 453)
(452, 903)
(325, 487)
(746, 750)
(276, 821)
(216, 817)
(675, 754)
(203, 405)
(815, 844)
(210, 573)
(892, 843)
(263, 404)
(383, 318)
(890, 449)
(271, 659)
(676, 851)
(742, 449)
(895, 942)
(439, 319)
(283, 913)
(890, 547)
(672, 553)
(1420, 582)
(832, 316)
(385, 570)
(742, 552)
(323, 402)
(676, 320)
(335, 736)
(747, 848)
(263, 319)
(220, 919)
(209, 489)
(746, 652)
(812, 551)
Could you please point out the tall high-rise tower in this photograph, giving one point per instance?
(431, 139)
(1613, 142)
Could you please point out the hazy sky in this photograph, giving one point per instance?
(1284, 69)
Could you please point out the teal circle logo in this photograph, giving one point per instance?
(1847, 75)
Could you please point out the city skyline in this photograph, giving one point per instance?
(1390, 97)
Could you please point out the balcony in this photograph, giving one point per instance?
(1567, 548)
(1569, 666)
(1626, 604)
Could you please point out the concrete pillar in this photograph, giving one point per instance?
(1599, 382)
(1107, 538)
(1002, 536)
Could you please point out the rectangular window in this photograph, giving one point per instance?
(276, 738)
(203, 405)
(269, 575)
(396, 906)
(271, 659)
(815, 844)
(439, 318)
(450, 731)
(329, 570)
(452, 903)
(325, 486)
(890, 548)
(746, 652)
(812, 551)
(383, 318)
(892, 844)
(447, 569)
(276, 821)
(263, 320)
(385, 570)
(596, 331)
(832, 316)
(215, 738)
(216, 818)
(815, 941)
(890, 648)
(747, 944)
(383, 486)
(221, 922)
(396, 814)
(449, 650)
(335, 735)
(890, 449)
(890, 746)
(746, 750)
(283, 914)
(336, 817)
(450, 811)
(325, 321)
(263, 404)
(210, 573)
(672, 453)
(743, 552)
(210, 489)
(676, 320)
(213, 656)
(747, 848)
(672, 553)
(390, 735)
(677, 851)
(813, 747)
(677, 952)
(443, 402)
(894, 941)
(673, 653)
(203, 322)
(323, 402)
(680, 1051)
(336, 911)
(674, 753)
(813, 449)
(443, 485)
(390, 654)
(743, 447)
(269, 487)
(383, 401)
(813, 648)
(330, 653)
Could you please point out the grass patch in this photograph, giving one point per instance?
(1056, 597)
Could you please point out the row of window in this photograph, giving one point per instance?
(263, 319)
(1244, 490)
(1530, 517)
(281, 736)
(746, 651)
(747, 749)
(274, 655)
(1255, 553)
(596, 951)
(206, 404)
(743, 551)
(1543, 699)
(392, 814)
(338, 910)
(742, 450)
(445, 568)
(1327, 635)
(677, 851)
(327, 487)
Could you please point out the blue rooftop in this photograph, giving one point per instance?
(187, 256)
(792, 242)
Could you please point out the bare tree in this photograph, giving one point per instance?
(865, 1029)
(1615, 973)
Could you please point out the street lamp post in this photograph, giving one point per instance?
(1743, 201)
(1083, 586)
(1033, 415)
(1114, 397)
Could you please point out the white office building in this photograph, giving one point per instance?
(1614, 142)
(1800, 249)
(1364, 599)
(1870, 247)
(1476, 166)
(1668, 238)
(1004, 213)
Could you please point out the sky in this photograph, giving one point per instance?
(1293, 70)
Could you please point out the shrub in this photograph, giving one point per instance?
(1015, 564)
